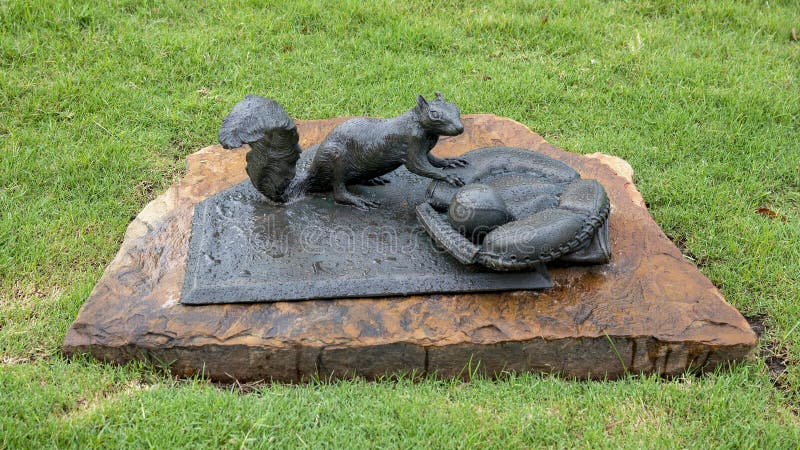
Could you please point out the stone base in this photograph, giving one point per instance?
(648, 311)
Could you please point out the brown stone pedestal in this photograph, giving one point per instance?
(649, 310)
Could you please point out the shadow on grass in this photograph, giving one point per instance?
(775, 355)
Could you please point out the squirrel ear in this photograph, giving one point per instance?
(439, 96)
(422, 102)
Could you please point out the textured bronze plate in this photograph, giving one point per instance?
(243, 249)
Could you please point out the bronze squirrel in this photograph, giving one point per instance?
(359, 151)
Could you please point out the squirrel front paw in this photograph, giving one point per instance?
(452, 163)
(377, 181)
(454, 180)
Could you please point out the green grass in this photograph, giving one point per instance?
(100, 102)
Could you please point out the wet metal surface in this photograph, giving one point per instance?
(244, 249)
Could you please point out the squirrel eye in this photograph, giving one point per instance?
(435, 115)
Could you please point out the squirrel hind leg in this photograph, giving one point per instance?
(345, 197)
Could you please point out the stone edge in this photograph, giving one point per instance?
(623, 356)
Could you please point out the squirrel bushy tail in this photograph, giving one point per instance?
(272, 135)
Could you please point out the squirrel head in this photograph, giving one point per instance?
(439, 116)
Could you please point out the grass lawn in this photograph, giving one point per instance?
(101, 101)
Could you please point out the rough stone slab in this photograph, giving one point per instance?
(649, 310)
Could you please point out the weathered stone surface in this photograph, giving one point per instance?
(649, 310)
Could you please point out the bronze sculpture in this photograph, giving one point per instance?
(529, 210)
(518, 210)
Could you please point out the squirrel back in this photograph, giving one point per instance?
(363, 148)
